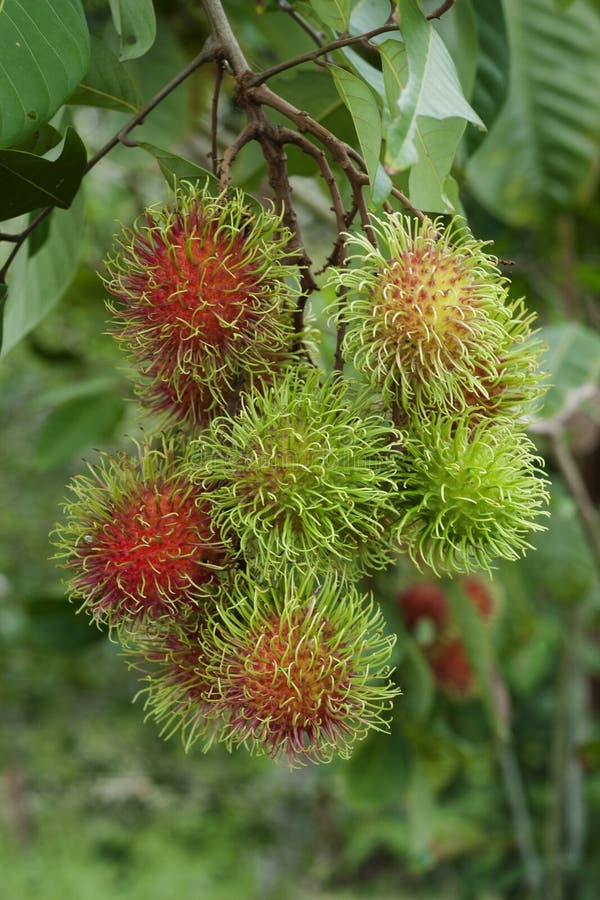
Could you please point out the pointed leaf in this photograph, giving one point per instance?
(431, 88)
(107, 82)
(334, 13)
(44, 53)
(542, 152)
(430, 183)
(135, 23)
(365, 114)
(36, 284)
(29, 182)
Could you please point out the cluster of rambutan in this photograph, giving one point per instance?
(226, 553)
(426, 612)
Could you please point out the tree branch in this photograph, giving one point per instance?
(316, 36)
(313, 55)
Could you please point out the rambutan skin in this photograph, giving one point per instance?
(468, 494)
(301, 671)
(172, 656)
(205, 289)
(430, 323)
(303, 476)
(138, 538)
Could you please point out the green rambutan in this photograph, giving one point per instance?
(301, 670)
(429, 321)
(205, 292)
(468, 493)
(303, 476)
(139, 539)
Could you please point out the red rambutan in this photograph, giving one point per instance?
(424, 600)
(138, 540)
(205, 291)
(451, 667)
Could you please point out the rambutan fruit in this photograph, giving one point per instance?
(481, 595)
(205, 291)
(302, 476)
(424, 600)
(302, 669)
(430, 323)
(173, 659)
(139, 539)
(451, 668)
(469, 493)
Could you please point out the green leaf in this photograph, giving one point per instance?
(365, 114)
(572, 361)
(368, 14)
(334, 13)
(75, 425)
(431, 88)
(542, 152)
(107, 82)
(491, 81)
(29, 182)
(177, 168)
(36, 284)
(431, 187)
(44, 53)
(135, 23)
(43, 139)
(152, 72)
(40, 233)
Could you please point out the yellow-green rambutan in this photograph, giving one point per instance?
(429, 321)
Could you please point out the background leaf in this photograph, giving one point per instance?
(542, 152)
(77, 424)
(44, 53)
(29, 182)
(36, 284)
(572, 360)
(135, 23)
(107, 82)
(491, 79)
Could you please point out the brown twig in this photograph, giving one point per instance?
(289, 136)
(341, 152)
(313, 55)
(248, 133)
(316, 36)
(346, 41)
(214, 116)
(442, 8)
